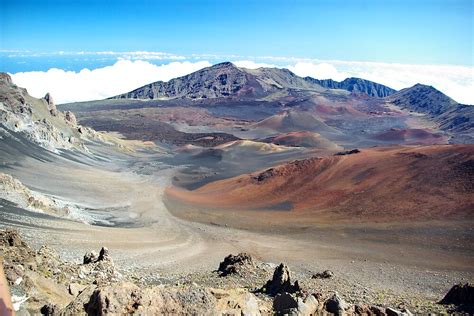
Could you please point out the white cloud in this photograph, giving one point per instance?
(100, 83)
(455, 81)
(132, 70)
(318, 71)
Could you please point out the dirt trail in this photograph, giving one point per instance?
(147, 236)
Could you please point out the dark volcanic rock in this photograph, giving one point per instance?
(265, 175)
(281, 282)
(104, 254)
(460, 294)
(152, 130)
(327, 274)
(356, 85)
(336, 305)
(235, 264)
(289, 304)
(90, 257)
(284, 303)
(223, 80)
(50, 309)
(347, 152)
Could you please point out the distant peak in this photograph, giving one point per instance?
(353, 79)
(423, 86)
(226, 64)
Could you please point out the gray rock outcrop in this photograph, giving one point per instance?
(51, 105)
(281, 282)
(236, 264)
(460, 294)
(336, 305)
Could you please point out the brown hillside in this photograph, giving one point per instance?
(379, 184)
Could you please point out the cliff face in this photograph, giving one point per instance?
(38, 120)
(356, 85)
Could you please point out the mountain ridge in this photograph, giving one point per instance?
(449, 114)
(221, 81)
(226, 80)
(356, 85)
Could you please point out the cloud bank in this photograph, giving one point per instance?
(100, 83)
(135, 69)
(455, 81)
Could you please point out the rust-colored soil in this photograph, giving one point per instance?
(304, 139)
(376, 185)
(413, 136)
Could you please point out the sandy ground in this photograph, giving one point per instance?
(125, 194)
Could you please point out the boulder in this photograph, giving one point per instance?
(365, 309)
(121, 299)
(104, 255)
(50, 309)
(51, 105)
(460, 294)
(284, 303)
(281, 282)
(11, 238)
(250, 305)
(235, 264)
(362, 309)
(308, 306)
(336, 305)
(70, 118)
(235, 302)
(13, 273)
(90, 257)
(327, 274)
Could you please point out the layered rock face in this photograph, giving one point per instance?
(39, 120)
(13, 190)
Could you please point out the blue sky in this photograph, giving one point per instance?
(404, 31)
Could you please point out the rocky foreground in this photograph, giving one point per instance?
(41, 282)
